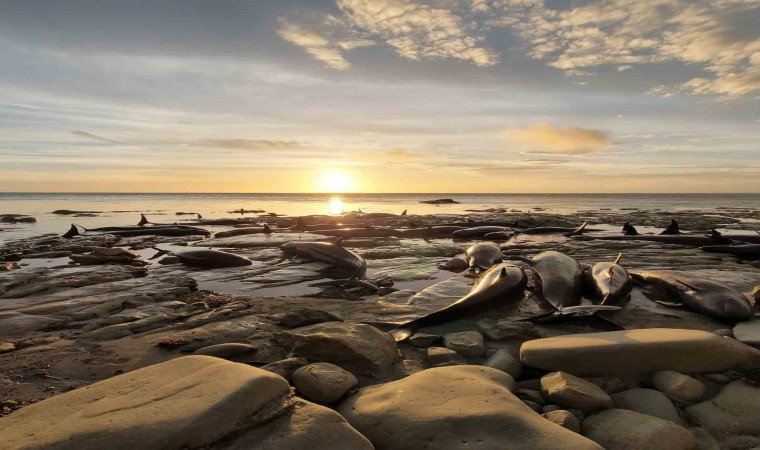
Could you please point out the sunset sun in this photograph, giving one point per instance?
(334, 181)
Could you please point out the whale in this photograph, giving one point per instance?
(327, 252)
(478, 231)
(168, 230)
(501, 284)
(358, 232)
(482, 256)
(243, 231)
(702, 295)
(211, 259)
(609, 283)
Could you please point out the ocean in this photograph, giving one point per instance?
(124, 209)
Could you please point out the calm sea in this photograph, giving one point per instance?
(124, 209)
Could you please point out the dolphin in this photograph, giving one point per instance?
(502, 283)
(327, 252)
(242, 231)
(699, 294)
(557, 277)
(211, 259)
(482, 256)
(609, 283)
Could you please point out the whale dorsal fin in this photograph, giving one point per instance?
(672, 228)
(339, 242)
(73, 231)
(143, 220)
(404, 213)
(267, 230)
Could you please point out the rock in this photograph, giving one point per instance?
(10, 404)
(748, 332)
(307, 316)
(717, 378)
(633, 352)
(454, 265)
(307, 426)
(232, 351)
(568, 390)
(453, 408)
(727, 332)
(733, 411)
(423, 339)
(439, 356)
(532, 405)
(504, 329)
(503, 360)
(705, 440)
(6, 347)
(532, 395)
(564, 419)
(756, 294)
(610, 385)
(286, 367)
(466, 343)
(356, 347)
(621, 429)
(323, 383)
(188, 402)
(550, 408)
(649, 402)
(678, 386)
(115, 251)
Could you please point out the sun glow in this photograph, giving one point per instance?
(336, 206)
(334, 182)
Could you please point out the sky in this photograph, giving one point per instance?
(380, 96)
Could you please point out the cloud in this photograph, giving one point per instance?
(393, 155)
(561, 140)
(317, 46)
(95, 137)
(250, 144)
(721, 36)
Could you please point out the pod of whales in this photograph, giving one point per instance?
(500, 284)
(700, 294)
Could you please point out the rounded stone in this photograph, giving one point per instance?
(323, 383)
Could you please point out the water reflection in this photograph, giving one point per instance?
(336, 206)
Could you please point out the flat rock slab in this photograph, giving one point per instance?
(638, 352)
(184, 403)
(453, 408)
(359, 348)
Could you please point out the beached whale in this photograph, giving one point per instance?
(740, 250)
(211, 259)
(243, 231)
(501, 284)
(699, 294)
(169, 230)
(609, 283)
(358, 232)
(327, 252)
(483, 256)
(480, 231)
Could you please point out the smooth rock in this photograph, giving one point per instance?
(748, 332)
(286, 367)
(306, 426)
(717, 378)
(439, 356)
(307, 316)
(532, 395)
(503, 360)
(632, 352)
(568, 390)
(678, 386)
(735, 410)
(564, 419)
(504, 329)
(467, 343)
(6, 347)
(361, 349)
(423, 339)
(232, 351)
(454, 408)
(649, 402)
(535, 406)
(705, 440)
(323, 383)
(610, 385)
(188, 402)
(621, 429)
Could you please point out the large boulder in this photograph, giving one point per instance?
(649, 402)
(184, 403)
(323, 383)
(306, 426)
(632, 352)
(451, 408)
(735, 410)
(361, 349)
(621, 429)
(570, 391)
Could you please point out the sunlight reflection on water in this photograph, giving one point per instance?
(336, 206)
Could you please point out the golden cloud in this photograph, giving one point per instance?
(561, 140)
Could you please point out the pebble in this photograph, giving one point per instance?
(678, 386)
(621, 429)
(503, 329)
(424, 339)
(286, 367)
(503, 360)
(323, 383)
(564, 419)
(568, 390)
(439, 357)
(6, 347)
(466, 343)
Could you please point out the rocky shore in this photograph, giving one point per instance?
(103, 347)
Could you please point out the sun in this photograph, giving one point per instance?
(334, 182)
